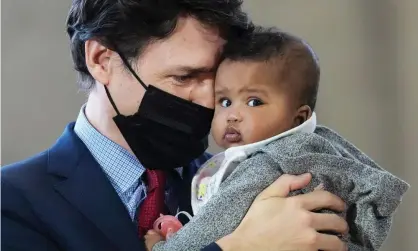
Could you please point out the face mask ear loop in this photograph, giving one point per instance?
(111, 100)
(133, 73)
(126, 63)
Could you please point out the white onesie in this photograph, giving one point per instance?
(208, 179)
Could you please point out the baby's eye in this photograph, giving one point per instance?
(255, 102)
(225, 102)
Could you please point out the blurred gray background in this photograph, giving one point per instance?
(369, 57)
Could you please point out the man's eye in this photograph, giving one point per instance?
(255, 102)
(225, 102)
(183, 78)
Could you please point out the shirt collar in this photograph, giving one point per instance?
(242, 152)
(122, 167)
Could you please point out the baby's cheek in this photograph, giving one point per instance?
(261, 131)
(253, 134)
(217, 129)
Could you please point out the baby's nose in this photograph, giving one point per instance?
(234, 117)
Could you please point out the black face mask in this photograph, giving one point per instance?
(167, 131)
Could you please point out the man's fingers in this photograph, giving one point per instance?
(285, 184)
(329, 222)
(152, 232)
(330, 243)
(319, 200)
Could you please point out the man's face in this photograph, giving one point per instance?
(184, 64)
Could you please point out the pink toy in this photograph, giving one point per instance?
(167, 225)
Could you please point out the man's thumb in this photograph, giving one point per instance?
(285, 184)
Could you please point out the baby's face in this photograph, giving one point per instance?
(250, 103)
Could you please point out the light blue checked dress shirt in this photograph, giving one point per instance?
(121, 167)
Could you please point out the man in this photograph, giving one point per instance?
(149, 68)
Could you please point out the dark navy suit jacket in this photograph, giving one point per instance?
(62, 200)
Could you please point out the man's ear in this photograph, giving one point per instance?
(303, 113)
(97, 61)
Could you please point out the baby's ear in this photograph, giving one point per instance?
(303, 113)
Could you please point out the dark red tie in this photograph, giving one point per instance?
(153, 205)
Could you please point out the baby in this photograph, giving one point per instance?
(266, 90)
(261, 91)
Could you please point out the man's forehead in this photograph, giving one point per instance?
(191, 46)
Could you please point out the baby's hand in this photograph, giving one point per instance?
(151, 238)
(320, 187)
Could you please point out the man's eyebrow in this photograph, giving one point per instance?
(194, 70)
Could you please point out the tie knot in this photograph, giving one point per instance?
(155, 178)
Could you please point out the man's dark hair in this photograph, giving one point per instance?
(299, 64)
(129, 25)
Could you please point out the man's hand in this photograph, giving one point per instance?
(152, 238)
(281, 223)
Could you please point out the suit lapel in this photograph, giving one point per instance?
(87, 188)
